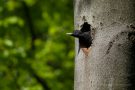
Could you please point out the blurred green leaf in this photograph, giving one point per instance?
(34, 46)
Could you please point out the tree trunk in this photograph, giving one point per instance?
(110, 64)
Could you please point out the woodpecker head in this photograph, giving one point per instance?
(76, 33)
(85, 27)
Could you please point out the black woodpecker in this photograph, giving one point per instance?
(84, 36)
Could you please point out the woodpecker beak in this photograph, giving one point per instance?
(75, 33)
(69, 34)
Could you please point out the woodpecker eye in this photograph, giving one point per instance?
(76, 32)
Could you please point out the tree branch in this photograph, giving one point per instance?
(33, 38)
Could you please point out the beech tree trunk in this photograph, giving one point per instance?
(110, 64)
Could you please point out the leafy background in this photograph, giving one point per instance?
(35, 52)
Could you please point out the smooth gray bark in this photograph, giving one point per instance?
(110, 64)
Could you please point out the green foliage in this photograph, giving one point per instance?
(35, 53)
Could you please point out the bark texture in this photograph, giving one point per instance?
(110, 64)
